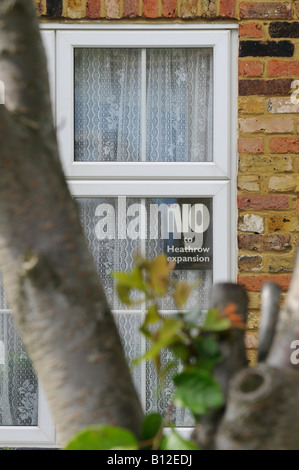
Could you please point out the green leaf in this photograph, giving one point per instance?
(126, 282)
(195, 316)
(181, 293)
(208, 354)
(198, 391)
(159, 274)
(180, 351)
(173, 441)
(164, 337)
(101, 437)
(152, 424)
(152, 316)
(123, 293)
(207, 347)
(215, 323)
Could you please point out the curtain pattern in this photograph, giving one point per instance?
(107, 105)
(109, 112)
(18, 383)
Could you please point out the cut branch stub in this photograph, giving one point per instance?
(262, 411)
(233, 352)
(232, 349)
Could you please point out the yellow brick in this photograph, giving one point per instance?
(283, 183)
(41, 7)
(282, 105)
(252, 356)
(254, 300)
(279, 264)
(285, 223)
(251, 104)
(249, 183)
(268, 125)
(76, 8)
(251, 340)
(253, 320)
(264, 164)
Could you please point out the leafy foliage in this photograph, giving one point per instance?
(194, 347)
(101, 437)
(197, 390)
(174, 441)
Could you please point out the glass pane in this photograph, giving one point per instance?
(179, 227)
(161, 402)
(3, 301)
(104, 221)
(179, 105)
(18, 383)
(110, 87)
(191, 248)
(128, 325)
(107, 105)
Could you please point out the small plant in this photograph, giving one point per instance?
(194, 347)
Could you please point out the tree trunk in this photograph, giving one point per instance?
(52, 285)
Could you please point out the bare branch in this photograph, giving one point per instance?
(269, 317)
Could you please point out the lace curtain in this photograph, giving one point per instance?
(131, 109)
(18, 383)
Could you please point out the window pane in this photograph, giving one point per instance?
(179, 105)
(107, 104)
(127, 109)
(18, 383)
(104, 221)
(128, 326)
(116, 228)
(191, 250)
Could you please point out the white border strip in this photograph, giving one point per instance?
(133, 26)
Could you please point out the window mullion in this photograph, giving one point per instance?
(143, 232)
(143, 105)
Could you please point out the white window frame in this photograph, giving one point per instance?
(67, 41)
(49, 41)
(42, 435)
(144, 179)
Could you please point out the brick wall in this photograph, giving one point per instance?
(268, 179)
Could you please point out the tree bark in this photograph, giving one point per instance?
(261, 410)
(233, 358)
(52, 286)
